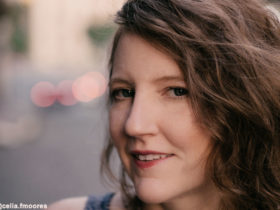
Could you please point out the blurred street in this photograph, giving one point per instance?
(62, 161)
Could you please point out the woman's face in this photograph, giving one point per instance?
(162, 147)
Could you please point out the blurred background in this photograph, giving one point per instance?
(53, 76)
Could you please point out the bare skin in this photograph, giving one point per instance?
(69, 204)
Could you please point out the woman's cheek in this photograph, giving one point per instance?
(116, 117)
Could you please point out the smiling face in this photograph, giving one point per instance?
(161, 146)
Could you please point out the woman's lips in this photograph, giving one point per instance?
(147, 159)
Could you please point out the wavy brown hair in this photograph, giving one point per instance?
(229, 54)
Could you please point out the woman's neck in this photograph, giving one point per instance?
(208, 199)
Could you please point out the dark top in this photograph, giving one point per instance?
(99, 203)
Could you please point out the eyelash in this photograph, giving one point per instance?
(183, 92)
(116, 97)
(178, 93)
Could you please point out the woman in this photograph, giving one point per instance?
(195, 105)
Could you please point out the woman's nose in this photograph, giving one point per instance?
(142, 118)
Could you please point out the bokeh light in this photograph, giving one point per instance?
(64, 93)
(89, 86)
(43, 94)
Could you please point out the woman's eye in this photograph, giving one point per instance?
(120, 94)
(178, 92)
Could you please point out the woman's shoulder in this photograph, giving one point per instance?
(77, 203)
(110, 201)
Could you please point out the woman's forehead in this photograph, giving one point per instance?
(136, 56)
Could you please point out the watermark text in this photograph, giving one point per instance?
(22, 206)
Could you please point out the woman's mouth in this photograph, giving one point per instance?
(150, 157)
(147, 159)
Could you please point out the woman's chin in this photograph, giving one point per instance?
(151, 193)
(150, 197)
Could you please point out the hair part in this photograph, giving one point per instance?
(229, 54)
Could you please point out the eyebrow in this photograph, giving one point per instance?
(119, 80)
(157, 80)
(169, 78)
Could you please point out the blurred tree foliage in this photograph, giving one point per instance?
(99, 34)
(18, 17)
(16, 14)
(3, 8)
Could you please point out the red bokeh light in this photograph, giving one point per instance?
(43, 94)
(89, 86)
(64, 93)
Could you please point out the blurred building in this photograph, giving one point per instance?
(57, 32)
